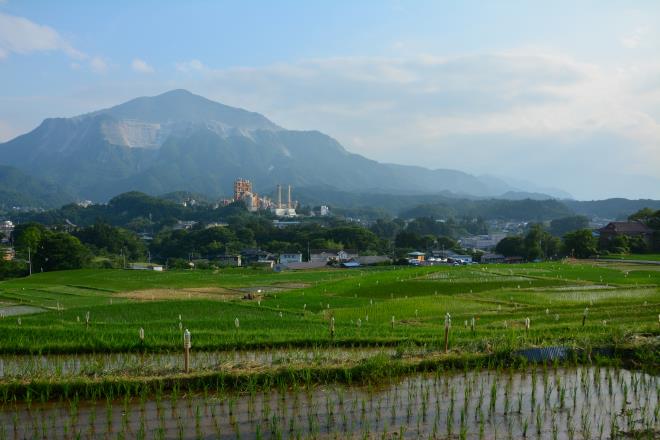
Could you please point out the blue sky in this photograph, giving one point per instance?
(563, 94)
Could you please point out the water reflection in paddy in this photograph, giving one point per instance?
(587, 402)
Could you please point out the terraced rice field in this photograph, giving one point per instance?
(332, 353)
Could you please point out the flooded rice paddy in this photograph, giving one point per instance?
(18, 367)
(18, 310)
(543, 403)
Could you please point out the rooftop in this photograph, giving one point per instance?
(627, 227)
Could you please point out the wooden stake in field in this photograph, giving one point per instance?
(527, 324)
(332, 327)
(87, 319)
(141, 335)
(584, 315)
(472, 324)
(186, 351)
(447, 327)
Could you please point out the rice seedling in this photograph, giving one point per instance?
(284, 336)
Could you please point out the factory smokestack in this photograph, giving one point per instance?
(279, 196)
(289, 200)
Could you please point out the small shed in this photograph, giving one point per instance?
(416, 255)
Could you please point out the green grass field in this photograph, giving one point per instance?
(294, 308)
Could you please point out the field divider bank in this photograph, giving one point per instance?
(373, 371)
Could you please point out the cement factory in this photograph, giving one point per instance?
(243, 191)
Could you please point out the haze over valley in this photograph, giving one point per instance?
(279, 219)
(496, 106)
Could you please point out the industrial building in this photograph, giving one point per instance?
(243, 191)
(279, 209)
(242, 187)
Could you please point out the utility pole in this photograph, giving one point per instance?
(30, 260)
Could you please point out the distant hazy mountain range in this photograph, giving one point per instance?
(179, 141)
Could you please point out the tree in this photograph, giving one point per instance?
(561, 226)
(533, 243)
(28, 236)
(386, 229)
(511, 246)
(619, 244)
(60, 251)
(445, 242)
(579, 244)
(638, 245)
(644, 215)
(651, 219)
(354, 237)
(408, 240)
(539, 244)
(475, 226)
(12, 269)
(102, 236)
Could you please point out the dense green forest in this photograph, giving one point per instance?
(20, 189)
(137, 227)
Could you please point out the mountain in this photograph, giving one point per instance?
(611, 209)
(441, 205)
(179, 141)
(18, 189)
(531, 190)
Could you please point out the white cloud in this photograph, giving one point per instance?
(21, 36)
(141, 66)
(524, 112)
(539, 116)
(98, 65)
(634, 39)
(190, 66)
